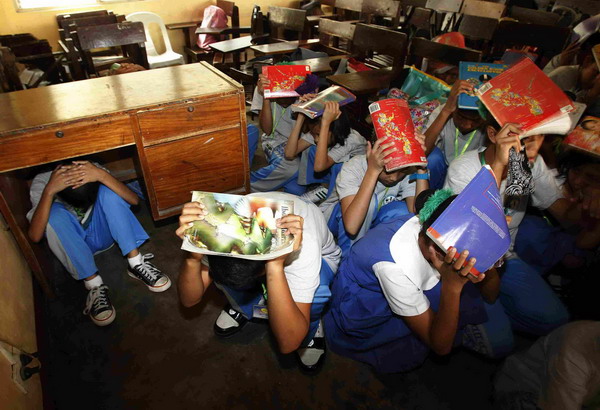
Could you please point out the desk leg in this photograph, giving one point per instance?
(13, 205)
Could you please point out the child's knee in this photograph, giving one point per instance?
(107, 196)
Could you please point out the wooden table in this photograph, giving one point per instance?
(283, 47)
(364, 82)
(187, 123)
(188, 28)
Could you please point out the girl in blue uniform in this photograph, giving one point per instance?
(396, 296)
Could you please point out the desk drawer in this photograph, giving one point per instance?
(68, 141)
(214, 162)
(170, 123)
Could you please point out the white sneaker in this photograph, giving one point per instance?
(98, 306)
(316, 195)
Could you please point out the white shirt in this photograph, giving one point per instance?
(354, 145)
(348, 182)
(463, 169)
(404, 280)
(283, 123)
(302, 268)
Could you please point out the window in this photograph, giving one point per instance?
(30, 5)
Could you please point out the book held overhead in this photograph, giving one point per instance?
(284, 79)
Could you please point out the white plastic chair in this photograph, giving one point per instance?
(155, 60)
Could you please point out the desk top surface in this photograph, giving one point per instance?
(364, 82)
(61, 103)
(229, 46)
(283, 47)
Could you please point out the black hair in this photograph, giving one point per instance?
(470, 114)
(82, 197)
(239, 274)
(571, 159)
(584, 122)
(420, 203)
(340, 128)
(490, 121)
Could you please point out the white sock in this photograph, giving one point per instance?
(136, 260)
(93, 283)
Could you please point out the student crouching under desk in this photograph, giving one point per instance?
(396, 296)
(297, 284)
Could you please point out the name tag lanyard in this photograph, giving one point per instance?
(464, 149)
(276, 122)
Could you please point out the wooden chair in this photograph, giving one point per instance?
(348, 10)
(9, 76)
(368, 42)
(37, 53)
(419, 23)
(483, 9)
(525, 15)
(478, 28)
(287, 24)
(549, 40)
(68, 24)
(382, 11)
(195, 54)
(130, 36)
(446, 14)
(421, 48)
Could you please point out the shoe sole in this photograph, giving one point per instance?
(155, 289)
(105, 322)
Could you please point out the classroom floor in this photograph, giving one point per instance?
(158, 354)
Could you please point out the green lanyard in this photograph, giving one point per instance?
(264, 288)
(382, 199)
(456, 155)
(275, 123)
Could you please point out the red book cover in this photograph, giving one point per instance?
(586, 136)
(391, 118)
(284, 79)
(524, 95)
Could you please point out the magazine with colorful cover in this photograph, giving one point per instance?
(586, 136)
(284, 79)
(239, 226)
(475, 221)
(524, 95)
(391, 119)
(476, 74)
(315, 107)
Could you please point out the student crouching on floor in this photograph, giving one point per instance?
(297, 284)
(397, 296)
(82, 210)
(328, 143)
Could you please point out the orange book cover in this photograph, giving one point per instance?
(391, 119)
(586, 136)
(284, 79)
(524, 95)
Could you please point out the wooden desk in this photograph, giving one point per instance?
(283, 47)
(186, 121)
(188, 29)
(364, 82)
(233, 45)
(320, 64)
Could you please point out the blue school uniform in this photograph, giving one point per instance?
(360, 323)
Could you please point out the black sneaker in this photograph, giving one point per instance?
(98, 306)
(311, 358)
(150, 275)
(229, 322)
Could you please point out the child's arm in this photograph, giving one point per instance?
(85, 171)
(59, 180)
(438, 329)
(433, 132)
(323, 161)
(295, 145)
(421, 184)
(289, 320)
(193, 279)
(355, 207)
(265, 117)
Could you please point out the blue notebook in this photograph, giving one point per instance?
(475, 221)
(477, 74)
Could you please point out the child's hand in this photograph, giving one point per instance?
(376, 155)
(294, 225)
(421, 140)
(332, 112)
(507, 138)
(307, 97)
(192, 211)
(452, 272)
(84, 172)
(459, 87)
(262, 83)
(60, 179)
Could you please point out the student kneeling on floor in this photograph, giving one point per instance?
(397, 295)
(297, 284)
(83, 210)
